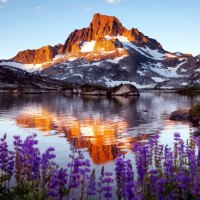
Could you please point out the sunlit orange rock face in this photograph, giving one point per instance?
(103, 138)
(105, 45)
(103, 25)
(100, 27)
(44, 54)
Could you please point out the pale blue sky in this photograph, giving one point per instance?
(34, 23)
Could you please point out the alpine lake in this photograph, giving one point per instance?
(102, 128)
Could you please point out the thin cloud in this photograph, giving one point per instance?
(3, 1)
(38, 8)
(113, 1)
(88, 9)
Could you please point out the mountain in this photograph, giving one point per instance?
(18, 80)
(107, 53)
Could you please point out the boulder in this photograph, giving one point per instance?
(95, 90)
(196, 133)
(125, 90)
(194, 113)
(95, 93)
(179, 115)
(67, 92)
(77, 91)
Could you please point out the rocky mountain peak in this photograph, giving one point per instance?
(103, 25)
(36, 56)
(198, 56)
(104, 38)
(107, 53)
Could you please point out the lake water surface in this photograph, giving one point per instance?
(102, 127)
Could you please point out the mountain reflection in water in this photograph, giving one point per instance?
(104, 136)
(104, 127)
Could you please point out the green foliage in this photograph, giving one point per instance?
(195, 111)
(4, 178)
(27, 191)
(189, 91)
(92, 87)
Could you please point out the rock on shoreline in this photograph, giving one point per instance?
(125, 90)
(191, 115)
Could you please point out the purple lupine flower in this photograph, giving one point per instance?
(176, 139)
(100, 183)
(153, 176)
(168, 165)
(46, 164)
(142, 161)
(107, 185)
(156, 151)
(91, 189)
(120, 177)
(125, 180)
(18, 158)
(131, 190)
(30, 159)
(163, 173)
(57, 180)
(180, 181)
(160, 188)
(84, 170)
(181, 153)
(75, 176)
(192, 162)
(53, 186)
(6, 158)
(198, 150)
(79, 168)
(195, 188)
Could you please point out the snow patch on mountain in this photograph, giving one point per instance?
(146, 51)
(119, 37)
(158, 79)
(111, 83)
(169, 72)
(72, 59)
(28, 67)
(171, 55)
(59, 56)
(114, 61)
(141, 73)
(88, 46)
(178, 54)
(117, 59)
(154, 54)
(184, 84)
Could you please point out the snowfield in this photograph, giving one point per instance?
(169, 72)
(88, 46)
(27, 67)
(146, 51)
(90, 66)
(158, 79)
(111, 83)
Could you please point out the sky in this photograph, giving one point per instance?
(31, 24)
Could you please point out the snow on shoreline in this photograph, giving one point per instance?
(27, 67)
